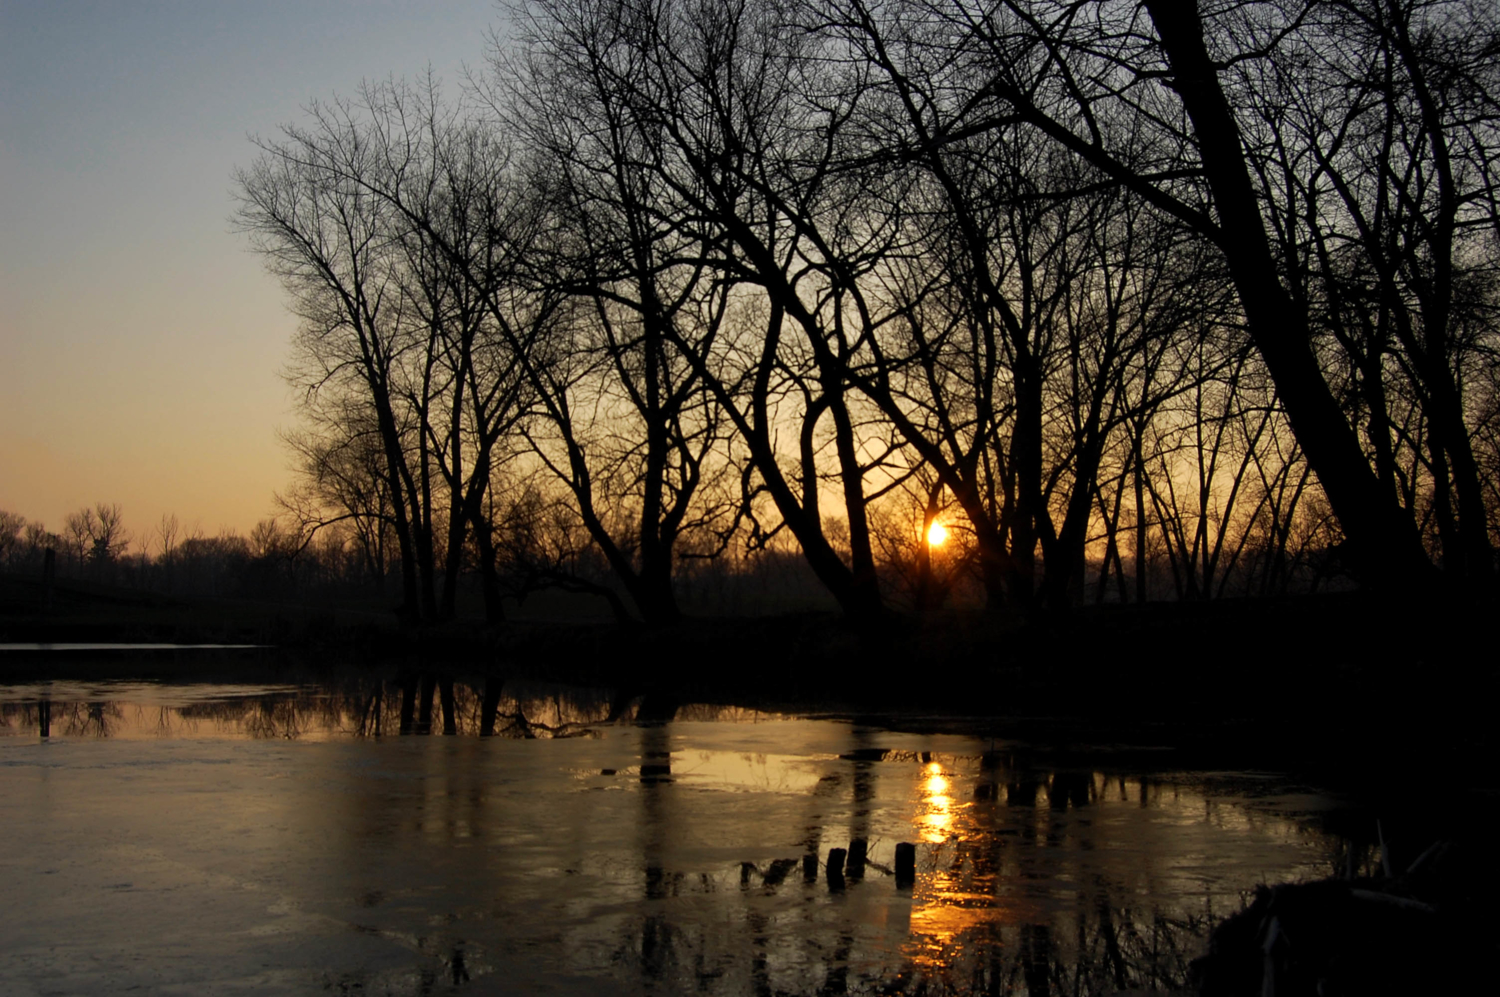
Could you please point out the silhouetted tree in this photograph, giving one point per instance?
(397, 225)
(628, 426)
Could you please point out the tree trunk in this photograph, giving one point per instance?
(408, 702)
(424, 703)
(1026, 455)
(445, 695)
(1383, 544)
(410, 609)
(491, 705)
(851, 476)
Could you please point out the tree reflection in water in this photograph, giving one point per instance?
(693, 856)
(361, 708)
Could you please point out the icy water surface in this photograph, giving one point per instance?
(267, 839)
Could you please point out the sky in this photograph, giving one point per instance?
(141, 341)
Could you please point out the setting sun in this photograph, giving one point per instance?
(937, 534)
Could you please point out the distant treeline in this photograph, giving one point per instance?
(95, 545)
(334, 565)
(1136, 301)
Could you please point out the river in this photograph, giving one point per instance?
(286, 838)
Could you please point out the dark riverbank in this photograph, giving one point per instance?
(1349, 683)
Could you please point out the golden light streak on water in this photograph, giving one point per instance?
(937, 818)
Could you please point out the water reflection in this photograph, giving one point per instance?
(936, 818)
(579, 842)
(414, 704)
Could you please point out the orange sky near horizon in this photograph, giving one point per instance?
(140, 338)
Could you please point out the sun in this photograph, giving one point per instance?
(937, 534)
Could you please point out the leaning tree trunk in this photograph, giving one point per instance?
(1383, 545)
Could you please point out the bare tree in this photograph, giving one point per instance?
(328, 239)
(628, 425)
(96, 536)
(11, 525)
(693, 146)
(396, 224)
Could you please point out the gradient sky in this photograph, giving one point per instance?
(140, 339)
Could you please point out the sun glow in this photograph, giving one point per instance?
(937, 534)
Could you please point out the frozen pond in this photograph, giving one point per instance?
(266, 839)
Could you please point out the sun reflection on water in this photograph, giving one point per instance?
(1046, 867)
(937, 816)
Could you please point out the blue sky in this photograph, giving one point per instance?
(140, 340)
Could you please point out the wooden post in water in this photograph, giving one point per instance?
(49, 576)
(810, 868)
(836, 868)
(906, 863)
(44, 717)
